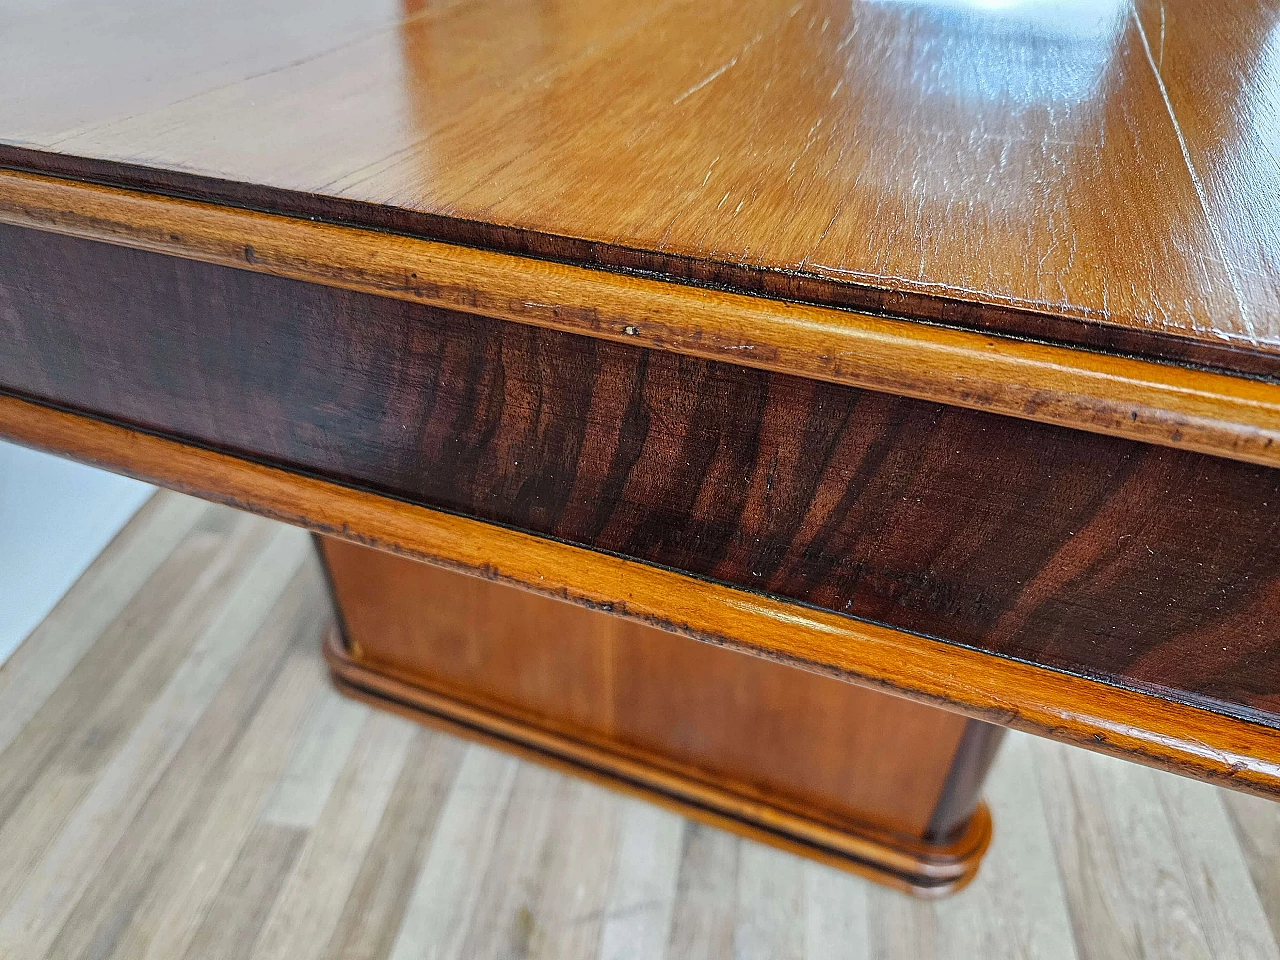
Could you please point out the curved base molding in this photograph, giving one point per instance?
(922, 869)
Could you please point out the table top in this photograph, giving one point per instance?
(1096, 174)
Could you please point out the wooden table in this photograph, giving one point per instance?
(932, 348)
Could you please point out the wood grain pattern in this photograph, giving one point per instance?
(192, 777)
(662, 711)
(461, 854)
(160, 727)
(1256, 832)
(379, 898)
(1138, 565)
(683, 878)
(308, 905)
(234, 921)
(922, 868)
(1120, 839)
(517, 911)
(187, 885)
(79, 619)
(1126, 722)
(50, 753)
(1192, 409)
(643, 895)
(1100, 174)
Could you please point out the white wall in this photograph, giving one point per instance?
(55, 517)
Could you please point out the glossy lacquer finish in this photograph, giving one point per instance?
(1139, 565)
(864, 780)
(1091, 172)
(1207, 411)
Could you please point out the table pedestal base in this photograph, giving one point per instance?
(858, 779)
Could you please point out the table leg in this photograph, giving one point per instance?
(853, 777)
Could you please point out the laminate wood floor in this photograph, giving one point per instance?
(177, 779)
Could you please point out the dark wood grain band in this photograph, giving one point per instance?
(1190, 409)
(1126, 723)
(1144, 567)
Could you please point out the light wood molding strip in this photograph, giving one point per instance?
(1122, 722)
(917, 867)
(1208, 412)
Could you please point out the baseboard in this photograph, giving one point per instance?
(906, 863)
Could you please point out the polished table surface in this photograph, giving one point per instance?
(990, 293)
(1099, 172)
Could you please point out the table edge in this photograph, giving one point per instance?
(1129, 723)
(1077, 328)
(1154, 402)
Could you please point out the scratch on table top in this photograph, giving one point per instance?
(348, 42)
(1161, 64)
(706, 80)
(731, 62)
(1250, 331)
